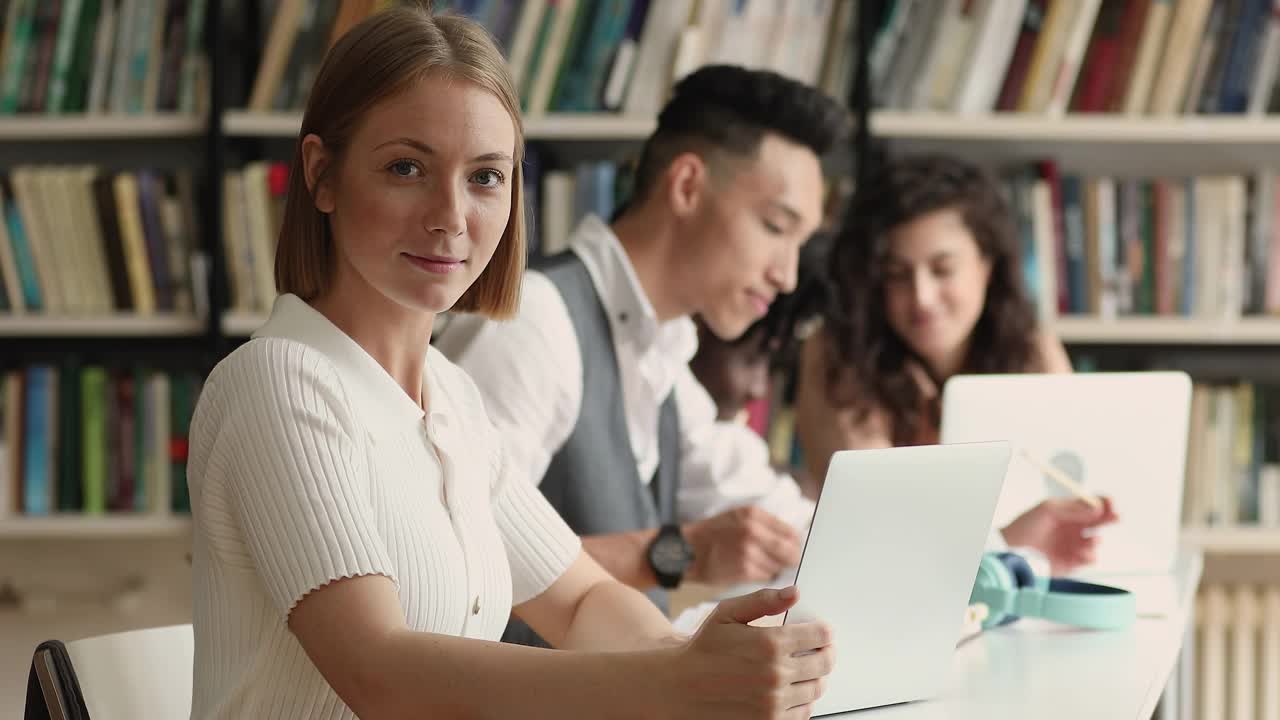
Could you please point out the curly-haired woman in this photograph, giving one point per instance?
(925, 283)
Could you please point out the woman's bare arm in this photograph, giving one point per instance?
(587, 609)
(353, 630)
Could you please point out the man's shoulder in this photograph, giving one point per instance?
(541, 325)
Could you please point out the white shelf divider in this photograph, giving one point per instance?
(242, 123)
(99, 127)
(242, 324)
(1099, 128)
(76, 526)
(117, 325)
(1234, 540)
(1168, 330)
(568, 126)
(587, 126)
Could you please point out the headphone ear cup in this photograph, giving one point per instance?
(1018, 566)
(995, 582)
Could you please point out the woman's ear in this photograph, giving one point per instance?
(316, 161)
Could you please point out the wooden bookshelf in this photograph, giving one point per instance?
(1234, 540)
(116, 325)
(1168, 331)
(91, 527)
(567, 127)
(99, 127)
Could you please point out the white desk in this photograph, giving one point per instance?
(1038, 670)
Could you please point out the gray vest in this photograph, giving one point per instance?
(592, 479)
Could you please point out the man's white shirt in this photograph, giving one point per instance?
(529, 371)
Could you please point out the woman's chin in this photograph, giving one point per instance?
(429, 300)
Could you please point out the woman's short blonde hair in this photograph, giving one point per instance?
(374, 61)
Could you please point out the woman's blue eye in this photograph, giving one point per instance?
(404, 168)
(488, 178)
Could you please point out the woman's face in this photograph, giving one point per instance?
(935, 283)
(733, 374)
(420, 198)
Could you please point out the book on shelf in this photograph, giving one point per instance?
(1205, 247)
(1049, 57)
(1237, 628)
(103, 56)
(253, 207)
(75, 240)
(1233, 456)
(587, 56)
(90, 439)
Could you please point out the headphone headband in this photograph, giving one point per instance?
(1006, 585)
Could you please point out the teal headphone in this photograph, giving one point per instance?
(1009, 588)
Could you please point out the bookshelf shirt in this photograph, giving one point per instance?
(308, 464)
(529, 370)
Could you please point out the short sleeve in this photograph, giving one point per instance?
(295, 470)
(540, 546)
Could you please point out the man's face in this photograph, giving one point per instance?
(743, 240)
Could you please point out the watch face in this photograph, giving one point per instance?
(670, 554)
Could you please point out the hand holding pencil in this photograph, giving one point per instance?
(1059, 527)
(1067, 482)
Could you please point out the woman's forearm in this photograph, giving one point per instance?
(412, 674)
(613, 616)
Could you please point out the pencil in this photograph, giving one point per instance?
(1066, 481)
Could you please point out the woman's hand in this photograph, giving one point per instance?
(733, 670)
(1057, 527)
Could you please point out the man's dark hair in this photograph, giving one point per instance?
(730, 109)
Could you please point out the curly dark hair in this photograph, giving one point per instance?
(867, 362)
(730, 109)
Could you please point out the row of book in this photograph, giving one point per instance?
(1233, 456)
(98, 56)
(593, 55)
(566, 196)
(1237, 657)
(1204, 246)
(94, 440)
(252, 207)
(1048, 57)
(78, 240)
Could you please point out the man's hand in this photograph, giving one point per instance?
(745, 544)
(1056, 527)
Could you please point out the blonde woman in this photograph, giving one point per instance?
(358, 547)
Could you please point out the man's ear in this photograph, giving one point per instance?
(688, 178)
(316, 166)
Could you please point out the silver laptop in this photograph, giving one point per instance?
(890, 561)
(1119, 434)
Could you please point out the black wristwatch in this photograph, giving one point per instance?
(670, 555)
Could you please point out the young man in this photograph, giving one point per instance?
(600, 408)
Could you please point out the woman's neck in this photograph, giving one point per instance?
(942, 366)
(395, 336)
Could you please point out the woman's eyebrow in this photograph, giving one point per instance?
(428, 150)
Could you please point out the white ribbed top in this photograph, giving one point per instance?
(308, 464)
